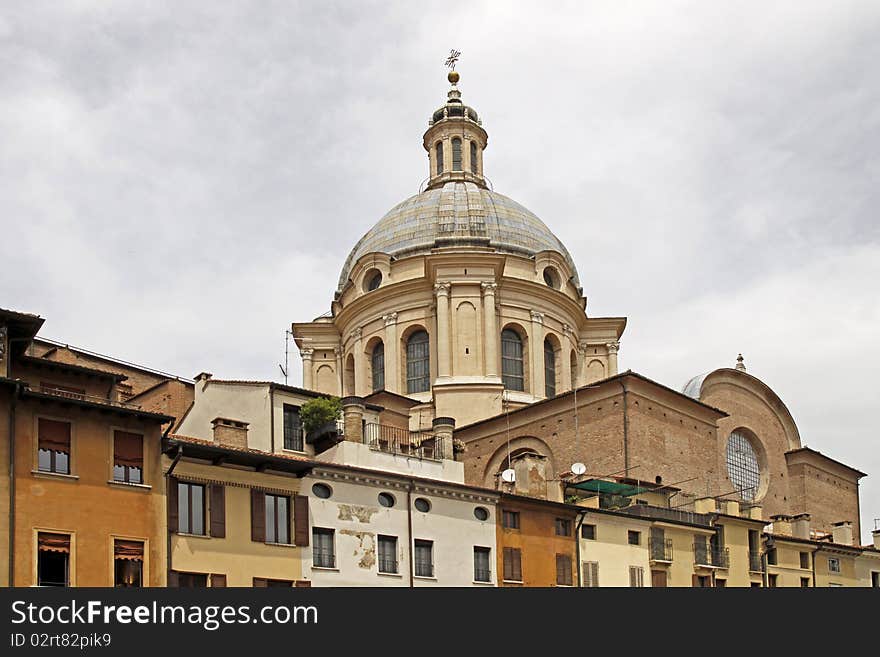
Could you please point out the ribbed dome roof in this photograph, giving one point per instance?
(458, 213)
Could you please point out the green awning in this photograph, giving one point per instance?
(608, 487)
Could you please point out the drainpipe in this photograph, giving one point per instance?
(625, 429)
(577, 545)
(13, 399)
(813, 560)
(409, 491)
(272, 417)
(765, 578)
(167, 532)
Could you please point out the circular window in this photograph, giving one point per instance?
(386, 500)
(372, 280)
(481, 513)
(322, 490)
(743, 467)
(551, 278)
(422, 505)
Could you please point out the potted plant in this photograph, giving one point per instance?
(320, 417)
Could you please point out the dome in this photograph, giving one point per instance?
(457, 214)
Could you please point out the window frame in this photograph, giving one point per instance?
(515, 573)
(457, 152)
(512, 515)
(52, 453)
(271, 499)
(126, 468)
(836, 568)
(563, 569)
(513, 367)
(549, 369)
(290, 431)
(188, 485)
(423, 544)
(378, 348)
(593, 532)
(487, 553)
(563, 527)
(418, 363)
(633, 533)
(318, 548)
(380, 538)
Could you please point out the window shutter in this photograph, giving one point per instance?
(260, 582)
(218, 581)
(301, 520)
(54, 435)
(171, 500)
(218, 511)
(128, 449)
(173, 579)
(258, 516)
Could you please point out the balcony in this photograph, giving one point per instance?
(67, 393)
(393, 440)
(662, 513)
(660, 550)
(756, 564)
(711, 557)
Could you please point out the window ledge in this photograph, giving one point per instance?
(325, 569)
(127, 484)
(478, 583)
(397, 575)
(511, 581)
(295, 451)
(42, 474)
(425, 577)
(284, 545)
(186, 535)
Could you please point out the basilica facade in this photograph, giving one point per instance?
(460, 306)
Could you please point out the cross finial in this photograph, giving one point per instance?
(453, 58)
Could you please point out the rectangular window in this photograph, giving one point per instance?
(191, 508)
(636, 576)
(834, 565)
(277, 519)
(128, 457)
(262, 583)
(323, 553)
(191, 580)
(293, 431)
(563, 527)
(591, 574)
(424, 557)
(702, 581)
(805, 582)
(387, 554)
(771, 556)
(563, 570)
(875, 579)
(805, 560)
(634, 537)
(720, 583)
(53, 446)
(512, 565)
(53, 559)
(128, 563)
(772, 581)
(588, 532)
(482, 568)
(510, 519)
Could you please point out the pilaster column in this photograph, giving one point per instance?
(392, 376)
(491, 336)
(338, 351)
(567, 374)
(536, 351)
(307, 367)
(360, 384)
(442, 292)
(582, 363)
(613, 348)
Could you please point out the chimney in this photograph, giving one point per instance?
(443, 428)
(531, 475)
(781, 525)
(800, 526)
(842, 532)
(353, 417)
(230, 433)
(876, 535)
(705, 505)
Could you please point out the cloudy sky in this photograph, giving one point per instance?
(180, 181)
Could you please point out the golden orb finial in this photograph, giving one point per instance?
(453, 77)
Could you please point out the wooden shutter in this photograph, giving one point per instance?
(261, 582)
(301, 520)
(658, 578)
(171, 500)
(54, 435)
(591, 573)
(218, 581)
(128, 449)
(173, 579)
(218, 511)
(258, 516)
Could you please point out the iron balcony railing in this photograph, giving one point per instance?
(482, 575)
(662, 513)
(80, 396)
(713, 557)
(661, 549)
(323, 558)
(387, 565)
(756, 564)
(424, 568)
(394, 440)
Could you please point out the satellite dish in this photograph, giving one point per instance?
(508, 476)
(578, 468)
